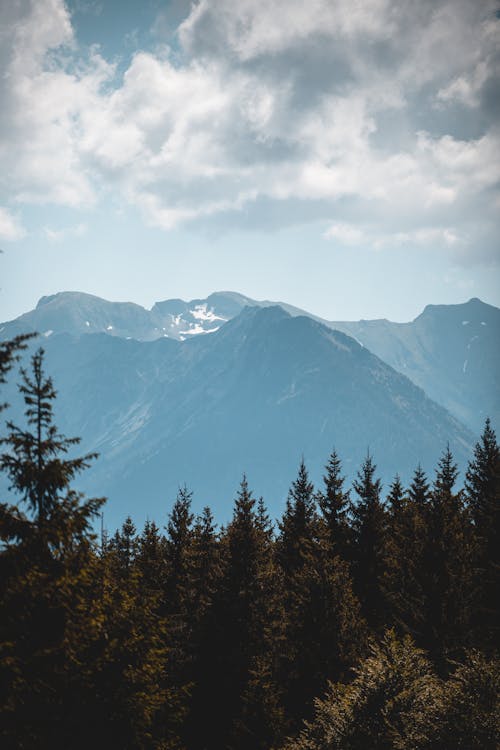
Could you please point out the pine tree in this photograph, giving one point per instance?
(419, 491)
(178, 553)
(151, 556)
(39, 475)
(122, 653)
(397, 566)
(406, 550)
(482, 485)
(236, 611)
(369, 526)
(125, 545)
(207, 575)
(260, 723)
(323, 625)
(298, 525)
(45, 556)
(448, 566)
(381, 708)
(334, 503)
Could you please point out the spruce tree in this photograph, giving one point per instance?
(207, 574)
(125, 545)
(406, 555)
(419, 490)
(448, 566)
(178, 554)
(46, 550)
(238, 633)
(482, 486)
(334, 503)
(298, 525)
(369, 526)
(151, 556)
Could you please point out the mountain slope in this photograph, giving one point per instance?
(254, 396)
(451, 351)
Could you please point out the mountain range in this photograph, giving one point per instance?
(165, 405)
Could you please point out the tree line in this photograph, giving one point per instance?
(361, 619)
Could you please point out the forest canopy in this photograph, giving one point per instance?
(361, 618)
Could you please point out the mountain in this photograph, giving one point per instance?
(451, 351)
(255, 396)
(78, 313)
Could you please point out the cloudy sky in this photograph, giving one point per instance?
(341, 155)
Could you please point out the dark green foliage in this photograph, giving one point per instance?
(324, 630)
(298, 525)
(198, 639)
(44, 552)
(482, 485)
(406, 549)
(334, 503)
(397, 702)
(369, 527)
(448, 566)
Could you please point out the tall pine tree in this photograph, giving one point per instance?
(482, 485)
(369, 525)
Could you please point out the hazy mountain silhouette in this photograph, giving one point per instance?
(254, 396)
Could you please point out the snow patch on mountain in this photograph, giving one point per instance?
(200, 312)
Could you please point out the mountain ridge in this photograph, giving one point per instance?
(253, 397)
(451, 351)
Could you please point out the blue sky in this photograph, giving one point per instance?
(342, 157)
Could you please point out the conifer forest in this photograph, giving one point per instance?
(365, 618)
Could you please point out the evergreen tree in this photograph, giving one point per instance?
(238, 636)
(125, 545)
(178, 554)
(397, 566)
(298, 525)
(448, 566)
(482, 485)
(369, 526)
(151, 557)
(396, 701)
(323, 626)
(44, 559)
(40, 475)
(377, 709)
(122, 653)
(419, 490)
(261, 722)
(334, 503)
(207, 574)
(406, 555)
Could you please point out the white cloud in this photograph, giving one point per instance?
(370, 236)
(325, 102)
(10, 227)
(58, 235)
(252, 28)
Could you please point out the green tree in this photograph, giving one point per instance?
(323, 626)
(46, 550)
(369, 526)
(334, 502)
(396, 702)
(241, 612)
(448, 566)
(482, 486)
